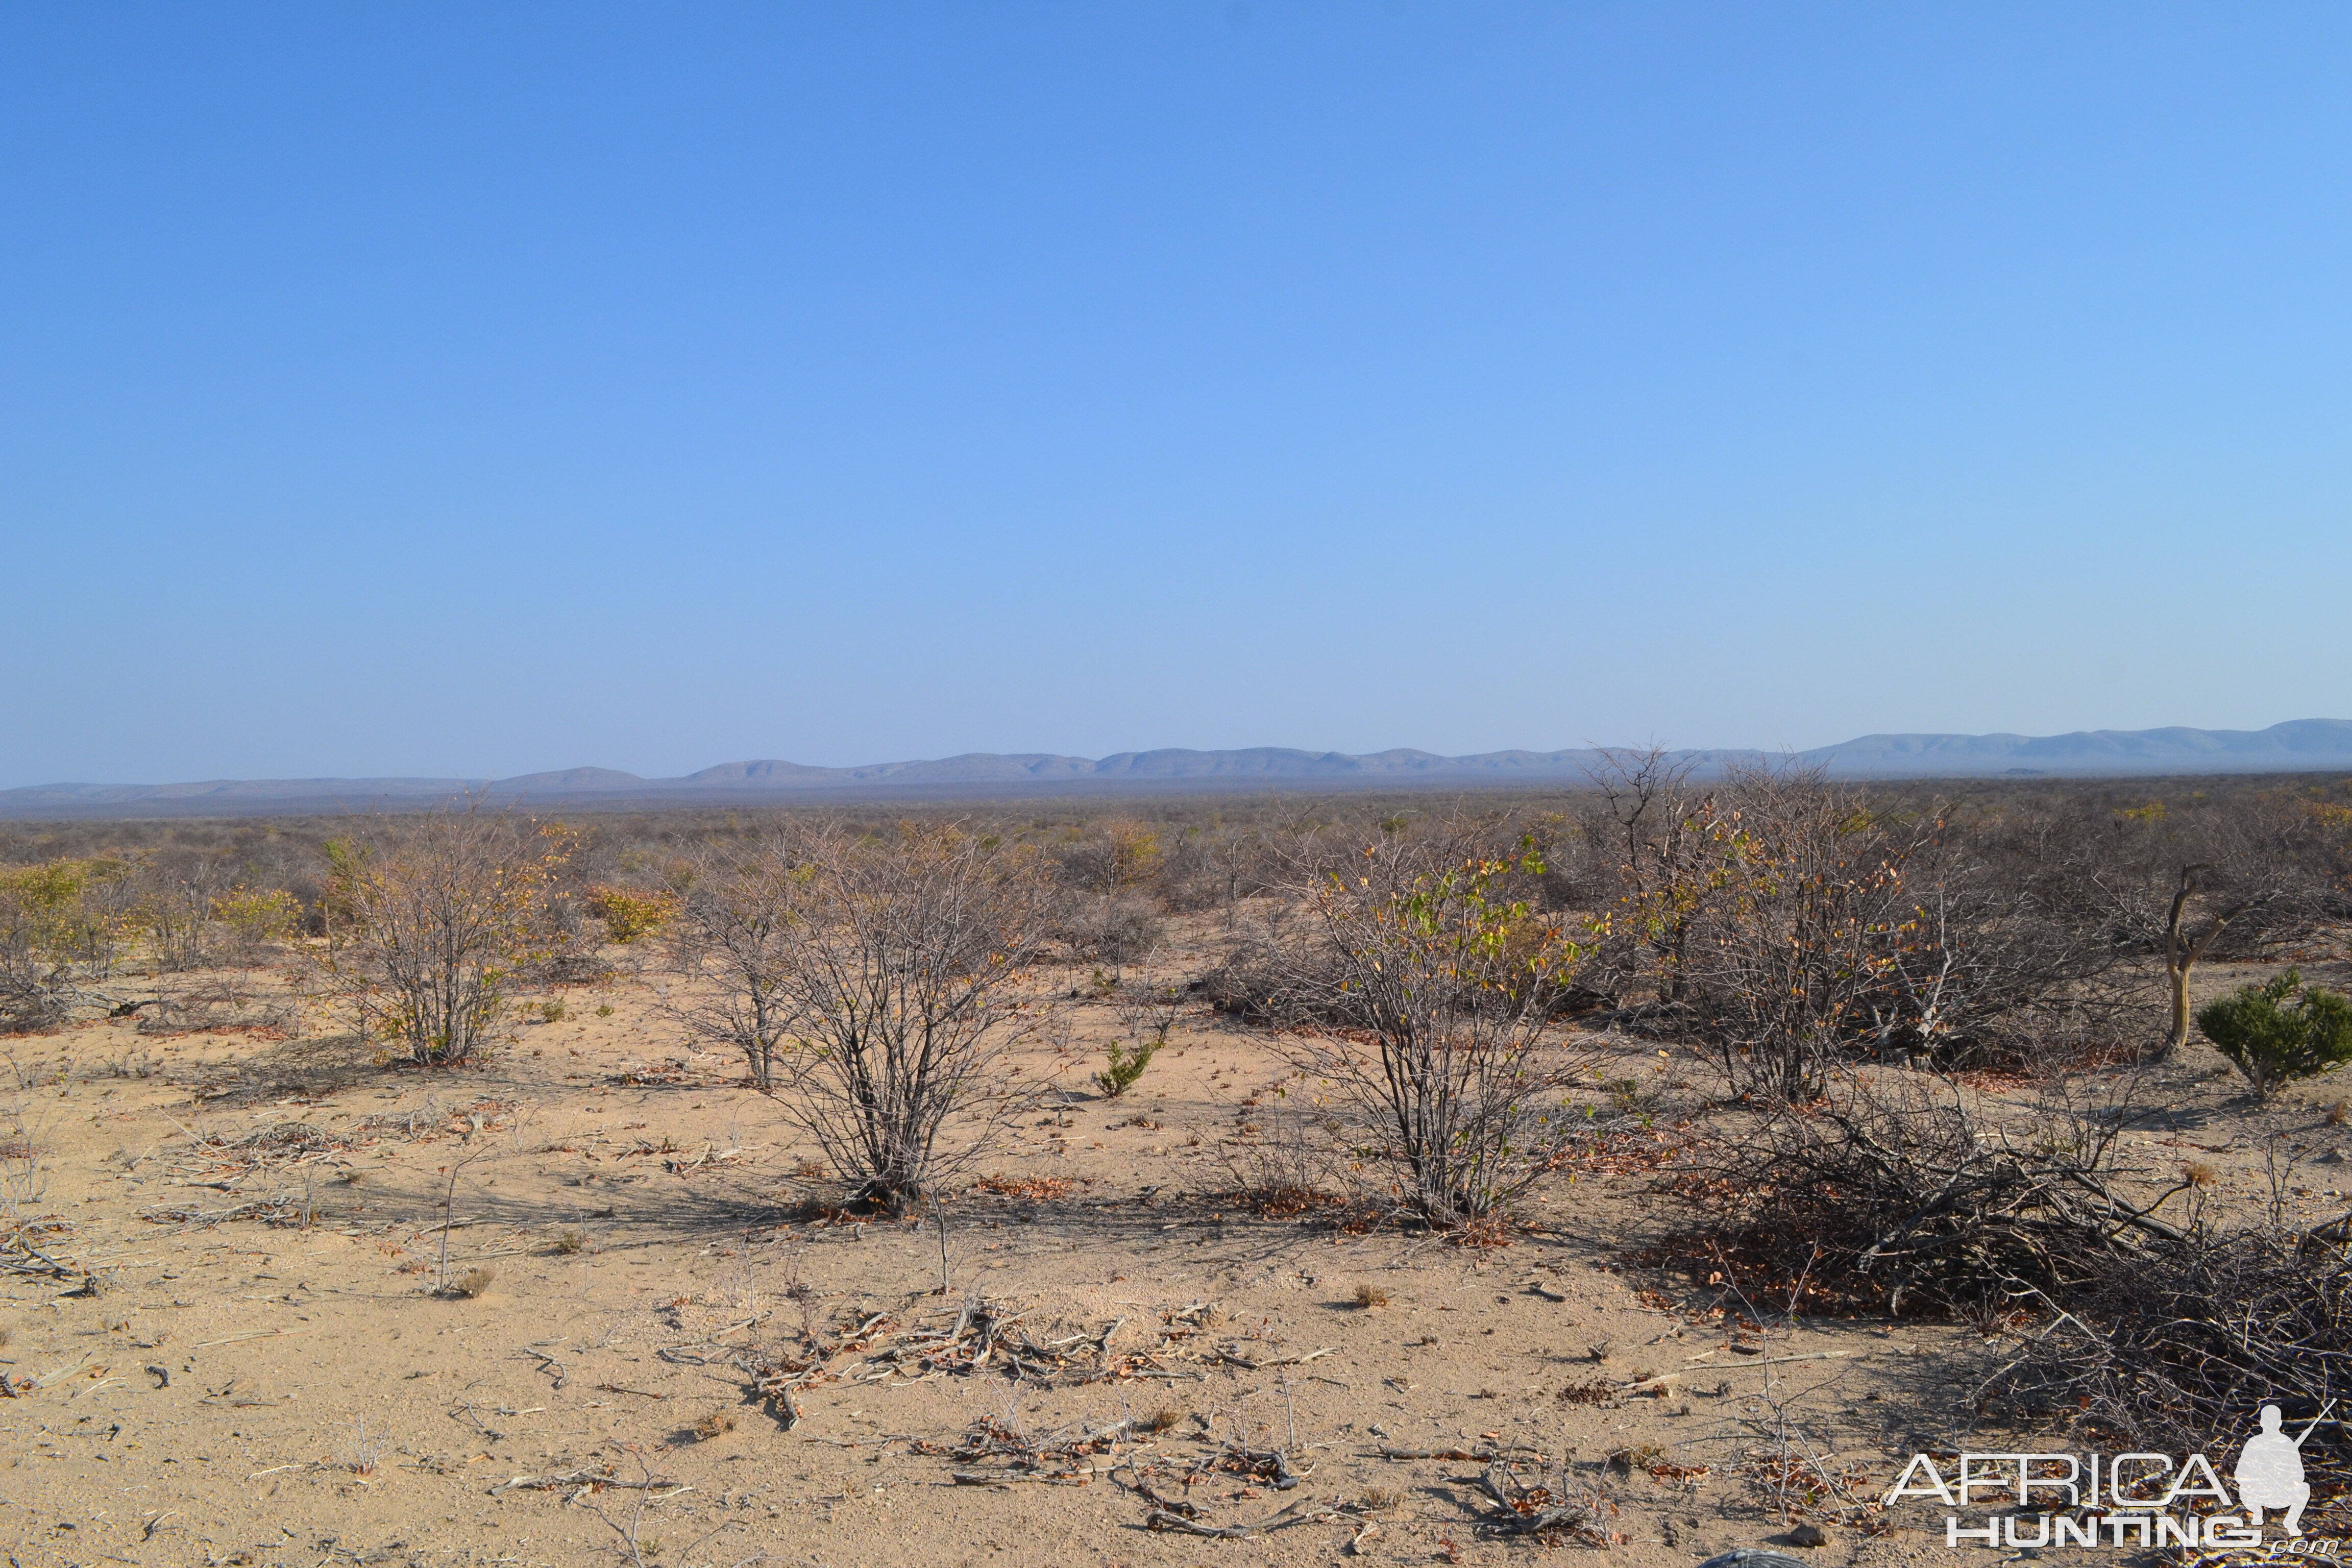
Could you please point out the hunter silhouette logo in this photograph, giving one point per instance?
(2148, 1499)
(2270, 1470)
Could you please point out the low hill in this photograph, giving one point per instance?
(2298, 746)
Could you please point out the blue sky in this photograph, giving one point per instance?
(481, 389)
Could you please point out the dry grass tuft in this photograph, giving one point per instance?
(1165, 1420)
(2198, 1173)
(1370, 1296)
(569, 1242)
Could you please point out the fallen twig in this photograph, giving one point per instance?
(1299, 1512)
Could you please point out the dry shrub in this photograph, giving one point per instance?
(1247, 983)
(1894, 1191)
(726, 945)
(1795, 923)
(54, 919)
(1422, 975)
(892, 959)
(2141, 1326)
(1117, 853)
(1287, 1165)
(431, 918)
(1370, 1296)
(218, 1004)
(1549, 1502)
(2176, 1349)
(1114, 929)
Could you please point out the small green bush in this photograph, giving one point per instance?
(630, 915)
(1126, 1066)
(2279, 1031)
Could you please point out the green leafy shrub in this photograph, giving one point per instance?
(1127, 1065)
(2279, 1031)
(630, 915)
(257, 917)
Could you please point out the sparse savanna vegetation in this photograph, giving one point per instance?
(1612, 1140)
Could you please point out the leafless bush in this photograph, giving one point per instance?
(1548, 1501)
(216, 1002)
(1114, 929)
(894, 978)
(569, 949)
(34, 993)
(1291, 1160)
(177, 913)
(1892, 1190)
(1148, 1008)
(726, 952)
(1253, 980)
(23, 1164)
(1652, 823)
(2168, 1349)
(1208, 865)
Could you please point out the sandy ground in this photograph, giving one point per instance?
(262, 1390)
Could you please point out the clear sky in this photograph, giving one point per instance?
(478, 389)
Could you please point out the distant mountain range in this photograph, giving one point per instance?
(2299, 745)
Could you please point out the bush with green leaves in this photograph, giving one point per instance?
(2279, 1031)
(1126, 1066)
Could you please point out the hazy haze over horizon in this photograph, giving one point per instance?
(460, 393)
